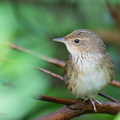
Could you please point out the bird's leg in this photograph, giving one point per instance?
(79, 105)
(98, 102)
(86, 99)
(93, 103)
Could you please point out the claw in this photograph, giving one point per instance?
(98, 102)
(93, 103)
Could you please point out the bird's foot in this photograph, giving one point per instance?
(80, 106)
(97, 102)
(93, 103)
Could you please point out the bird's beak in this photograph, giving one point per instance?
(59, 39)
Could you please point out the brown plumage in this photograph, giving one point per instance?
(89, 68)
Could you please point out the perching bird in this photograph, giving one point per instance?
(89, 67)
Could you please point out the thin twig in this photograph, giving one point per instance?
(54, 61)
(38, 68)
(67, 101)
(50, 73)
(116, 83)
(108, 97)
(55, 99)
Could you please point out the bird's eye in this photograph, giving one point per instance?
(76, 41)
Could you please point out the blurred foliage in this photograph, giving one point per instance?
(117, 117)
(33, 24)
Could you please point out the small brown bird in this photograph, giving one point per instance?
(89, 67)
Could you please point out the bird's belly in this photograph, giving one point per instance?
(86, 75)
(87, 84)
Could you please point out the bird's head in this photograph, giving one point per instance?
(81, 41)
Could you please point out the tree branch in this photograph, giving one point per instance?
(108, 97)
(80, 108)
(116, 83)
(54, 61)
(67, 101)
(76, 108)
(56, 100)
(50, 73)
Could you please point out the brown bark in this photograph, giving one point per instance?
(80, 108)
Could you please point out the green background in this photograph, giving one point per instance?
(33, 24)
